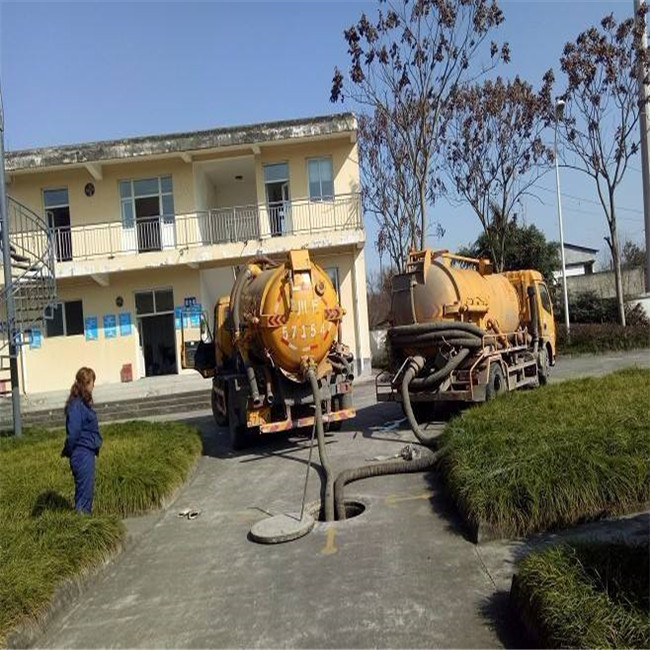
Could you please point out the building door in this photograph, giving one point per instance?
(148, 220)
(155, 314)
(58, 219)
(276, 181)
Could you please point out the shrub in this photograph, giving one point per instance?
(555, 456)
(586, 595)
(595, 338)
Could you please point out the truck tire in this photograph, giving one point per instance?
(221, 419)
(236, 430)
(496, 382)
(543, 366)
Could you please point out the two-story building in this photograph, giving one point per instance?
(144, 226)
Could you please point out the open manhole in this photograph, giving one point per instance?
(352, 509)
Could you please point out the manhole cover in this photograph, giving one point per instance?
(281, 528)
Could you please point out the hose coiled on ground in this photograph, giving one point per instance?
(320, 434)
(427, 461)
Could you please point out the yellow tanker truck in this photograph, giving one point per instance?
(276, 351)
(463, 333)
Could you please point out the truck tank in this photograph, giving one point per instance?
(288, 312)
(443, 287)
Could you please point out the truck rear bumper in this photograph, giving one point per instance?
(285, 425)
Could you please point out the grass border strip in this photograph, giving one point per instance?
(26, 634)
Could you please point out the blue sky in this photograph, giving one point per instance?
(80, 71)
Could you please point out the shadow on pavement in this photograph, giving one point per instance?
(497, 612)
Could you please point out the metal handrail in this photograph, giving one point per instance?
(233, 224)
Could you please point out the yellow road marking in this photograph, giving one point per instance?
(392, 500)
(330, 545)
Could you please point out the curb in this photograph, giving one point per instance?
(26, 634)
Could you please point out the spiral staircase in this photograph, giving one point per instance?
(32, 289)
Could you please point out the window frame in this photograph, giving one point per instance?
(155, 312)
(337, 284)
(131, 198)
(64, 320)
(322, 198)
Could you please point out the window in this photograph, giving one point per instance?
(146, 203)
(159, 301)
(546, 299)
(68, 319)
(321, 183)
(333, 273)
(57, 210)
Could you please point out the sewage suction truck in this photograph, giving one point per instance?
(463, 333)
(276, 358)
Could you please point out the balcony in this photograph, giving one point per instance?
(186, 238)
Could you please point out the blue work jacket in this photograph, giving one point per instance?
(81, 428)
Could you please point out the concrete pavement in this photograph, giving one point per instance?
(402, 574)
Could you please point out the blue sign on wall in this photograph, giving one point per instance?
(110, 326)
(35, 339)
(195, 315)
(90, 327)
(125, 323)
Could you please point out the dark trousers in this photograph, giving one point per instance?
(82, 464)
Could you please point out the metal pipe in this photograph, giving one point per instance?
(559, 109)
(421, 328)
(644, 125)
(534, 317)
(11, 307)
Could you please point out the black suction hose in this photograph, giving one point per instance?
(425, 462)
(422, 328)
(320, 433)
(423, 383)
(236, 298)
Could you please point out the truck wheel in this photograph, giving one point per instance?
(220, 418)
(236, 430)
(496, 382)
(543, 368)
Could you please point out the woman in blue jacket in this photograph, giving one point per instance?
(83, 440)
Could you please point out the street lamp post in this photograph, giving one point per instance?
(559, 111)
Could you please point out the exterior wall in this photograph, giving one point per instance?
(603, 283)
(354, 329)
(52, 367)
(104, 205)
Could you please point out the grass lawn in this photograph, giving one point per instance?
(586, 596)
(553, 456)
(42, 540)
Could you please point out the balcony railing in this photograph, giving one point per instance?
(207, 228)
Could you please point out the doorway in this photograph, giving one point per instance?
(276, 181)
(158, 341)
(156, 330)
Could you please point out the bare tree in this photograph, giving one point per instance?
(389, 193)
(600, 125)
(404, 67)
(496, 152)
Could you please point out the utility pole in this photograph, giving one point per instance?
(645, 141)
(559, 113)
(12, 332)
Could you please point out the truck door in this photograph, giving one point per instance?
(547, 323)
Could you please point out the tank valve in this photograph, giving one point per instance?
(320, 288)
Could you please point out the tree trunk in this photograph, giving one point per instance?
(423, 214)
(616, 259)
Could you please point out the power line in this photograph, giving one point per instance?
(583, 199)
